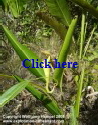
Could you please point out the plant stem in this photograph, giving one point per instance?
(78, 99)
(82, 35)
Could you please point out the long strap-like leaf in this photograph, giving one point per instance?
(24, 53)
(64, 51)
(49, 103)
(12, 92)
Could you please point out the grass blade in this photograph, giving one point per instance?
(82, 38)
(78, 98)
(73, 120)
(87, 45)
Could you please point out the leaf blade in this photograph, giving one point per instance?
(59, 8)
(24, 53)
(48, 102)
(64, 51)
(12, 92)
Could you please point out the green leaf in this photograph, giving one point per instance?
(64, 51)
(87, 7)
(50, 104)
(12, 92)
(24, 53)
(60, 9)
(79, 92)
(82, 35)
(95, 66)
(14, 6)
(57, 26)
(73, 120)
(48, 101)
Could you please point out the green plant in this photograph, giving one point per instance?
(14, 6)
(60, 20)
(25, 53)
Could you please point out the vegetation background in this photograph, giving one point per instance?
(38, 25)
